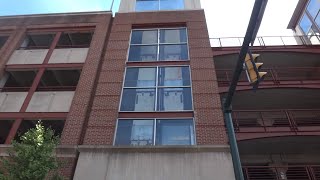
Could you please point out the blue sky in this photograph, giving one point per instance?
(225, 18)
(21, 7)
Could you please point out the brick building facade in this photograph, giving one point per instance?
(70, 71)
(138, 95)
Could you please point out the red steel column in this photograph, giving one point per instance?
(32, 90)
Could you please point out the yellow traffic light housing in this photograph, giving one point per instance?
(252, 68)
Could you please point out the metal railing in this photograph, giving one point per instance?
(267, 41)
(290, 172)
(276, 76)
(283, 120)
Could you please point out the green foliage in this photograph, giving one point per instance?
(33, 157)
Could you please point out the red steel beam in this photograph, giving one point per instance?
(33, 115)
(23, 67)
(80, 27)
(32, 90)
(249, 87)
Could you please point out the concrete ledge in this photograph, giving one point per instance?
(155, 149)
(72, 150)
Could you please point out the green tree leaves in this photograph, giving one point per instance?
(31, 158)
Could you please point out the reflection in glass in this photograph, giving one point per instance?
(147, 5)
(173, 35)
(175, 132)
(134, 132)
(171, 4)
(138, 100)
(144, 37)
(174, 76)
(140, 77)
(174, 99)
(143, 53)
(174, 52)
(313, 7)
(305, 24)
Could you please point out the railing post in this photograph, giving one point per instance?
(282, 41)
(311, 173)
(261, 41)
(293, 125)
(239, 41)
(246, 173)
(303, 40)
(264, 125)
(275, 76)
(220, 42)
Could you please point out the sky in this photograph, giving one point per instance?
(225, 18)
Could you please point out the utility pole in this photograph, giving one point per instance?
(252, 30)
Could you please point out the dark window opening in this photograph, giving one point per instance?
(5, 126)
(3, 40)
(75, 40)
(148, 132)
(55, 125)
(17, 80)
(37, 41)
(59, 80)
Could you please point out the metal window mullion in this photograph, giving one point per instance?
(137, 87)
(158, 45)
(115, 132)
(175, 43)
(159, 5)
(174, 86)
(154, 131)
(156, 96)
(187, 37)
(151, 44)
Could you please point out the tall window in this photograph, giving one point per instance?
(148, 132)
(155, 5)
(159, 45)
(157, 89)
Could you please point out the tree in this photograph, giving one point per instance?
(32, 158)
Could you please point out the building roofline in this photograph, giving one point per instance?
(56, 14)
(297, 14)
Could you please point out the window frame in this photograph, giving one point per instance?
(159, 7)
(155, 120)
(156, 87)
(158, 44)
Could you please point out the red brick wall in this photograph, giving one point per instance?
(207, 107)
(77, 118)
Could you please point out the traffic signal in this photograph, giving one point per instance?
(252, 68)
